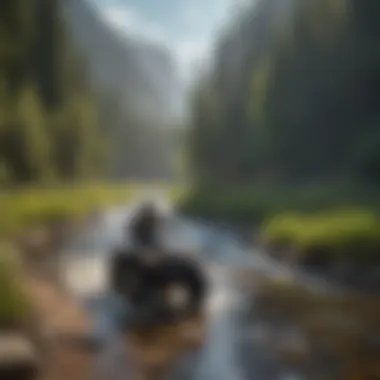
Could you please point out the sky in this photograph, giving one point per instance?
(187, 27)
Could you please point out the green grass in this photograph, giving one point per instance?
(23, 207)
(353, 233)
(340, 219)
(13, 301)
(254, 204)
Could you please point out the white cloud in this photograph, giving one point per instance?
(189, 53)
(120, 17)
(129, 22)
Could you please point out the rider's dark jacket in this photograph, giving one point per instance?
(144, 228)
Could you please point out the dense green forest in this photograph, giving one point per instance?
(49, 120)
(293, 96)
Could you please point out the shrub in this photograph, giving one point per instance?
(352, 233)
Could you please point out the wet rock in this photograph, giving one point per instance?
(18, 358)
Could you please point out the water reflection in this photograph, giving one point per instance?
(218, 359)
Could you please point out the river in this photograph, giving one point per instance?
(227, 352)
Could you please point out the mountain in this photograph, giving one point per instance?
(139, 93)
(141, 73)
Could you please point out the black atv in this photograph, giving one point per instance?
(157, 284)
(159, 287)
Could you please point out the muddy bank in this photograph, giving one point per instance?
(317, 334)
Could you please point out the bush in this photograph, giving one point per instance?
(354, 234)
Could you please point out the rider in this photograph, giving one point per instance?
(145, 226)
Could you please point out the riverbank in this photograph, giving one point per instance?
(343, 245)
(35, 312)
(333, 231)
(255, 203)
(29, 206)
(318, 334)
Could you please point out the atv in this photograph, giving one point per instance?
(158, 284)
(162, 287)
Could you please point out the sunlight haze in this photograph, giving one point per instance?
(187, 27)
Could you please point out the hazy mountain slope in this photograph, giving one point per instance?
(139, 93)
(142, 73)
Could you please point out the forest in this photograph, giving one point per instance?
(49, 128)
(293, 97)
(62, 117)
